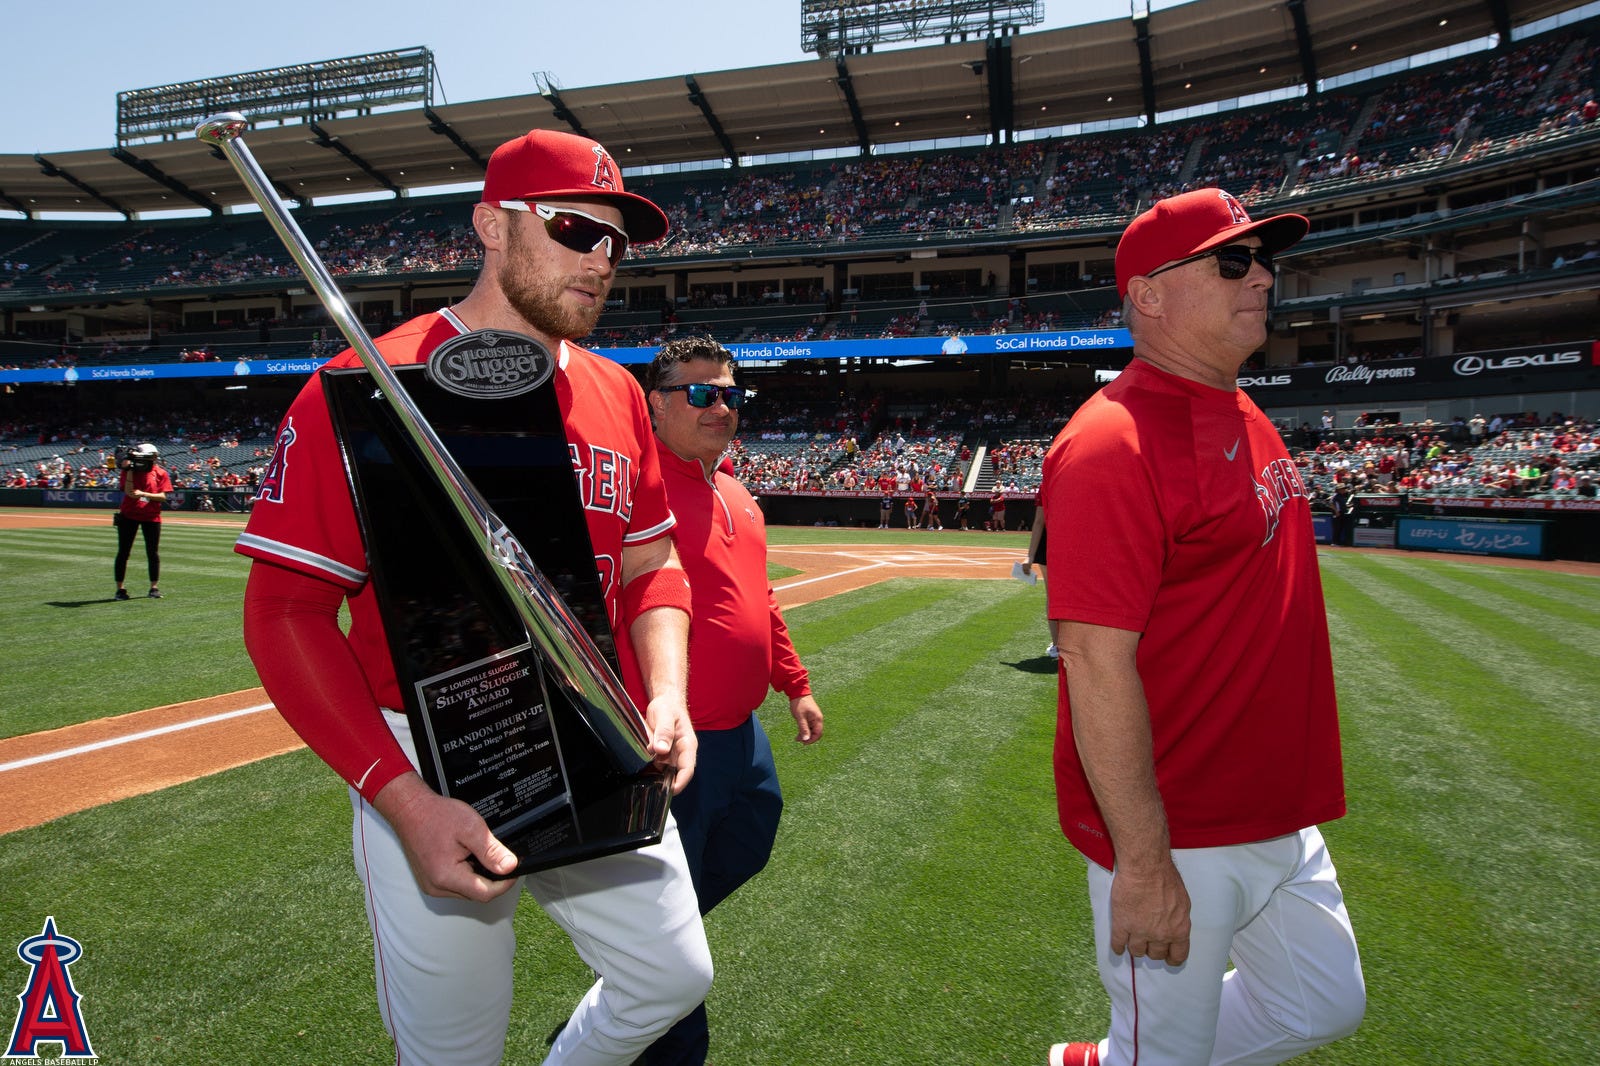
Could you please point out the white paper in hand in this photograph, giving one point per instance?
(1027, 577)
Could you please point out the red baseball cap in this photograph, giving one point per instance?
(1195, 222)
(551, 165)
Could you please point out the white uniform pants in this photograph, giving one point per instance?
(444, 965)
(1274, 907)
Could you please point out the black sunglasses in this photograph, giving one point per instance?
(1233, 261)
(577, 230)
(703, 395)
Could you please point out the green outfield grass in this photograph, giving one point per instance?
(74, 654)
(922, 905)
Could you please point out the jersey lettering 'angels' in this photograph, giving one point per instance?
(605, 476)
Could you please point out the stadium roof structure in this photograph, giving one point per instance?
(1190, 55)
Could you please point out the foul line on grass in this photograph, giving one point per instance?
(147, 734)
(825, 577)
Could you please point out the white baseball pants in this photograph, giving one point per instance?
(1275, 908)
(444, 965)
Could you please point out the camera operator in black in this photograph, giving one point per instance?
(145, 486)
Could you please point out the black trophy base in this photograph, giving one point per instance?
(623, 814)
(494, 725)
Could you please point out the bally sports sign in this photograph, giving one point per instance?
(1475, 366)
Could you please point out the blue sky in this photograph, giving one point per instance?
(65, 62)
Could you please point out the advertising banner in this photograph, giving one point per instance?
(1083, 342)
(1475, 536)
(1353, 379)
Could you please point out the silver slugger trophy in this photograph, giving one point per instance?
(507, 663)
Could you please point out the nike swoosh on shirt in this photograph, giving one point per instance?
(362, 780)
(1229, 453)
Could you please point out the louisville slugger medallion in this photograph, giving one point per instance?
(490, 364)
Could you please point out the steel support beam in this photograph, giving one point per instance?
(156, 174)
(698, 99)
(50, 170)
(328, 141)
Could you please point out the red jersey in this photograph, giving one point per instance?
(738, 642)
(153, 480)
(303, 517)
(1175, 512)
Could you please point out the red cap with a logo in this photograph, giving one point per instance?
(1195, 222)
(551, 165)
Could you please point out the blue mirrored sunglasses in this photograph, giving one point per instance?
(703, 395)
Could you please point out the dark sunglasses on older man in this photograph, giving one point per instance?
(702, 395)
(1233, 260)
(577, 230)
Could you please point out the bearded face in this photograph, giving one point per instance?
(558, 304)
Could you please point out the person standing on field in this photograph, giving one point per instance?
(738, 643)
(554, 221)
(145, 487)
(1197, 746)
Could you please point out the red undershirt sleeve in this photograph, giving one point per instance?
(310, 672)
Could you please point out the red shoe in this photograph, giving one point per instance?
(1079, 1053)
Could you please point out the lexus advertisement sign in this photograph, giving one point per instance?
(1539, 368)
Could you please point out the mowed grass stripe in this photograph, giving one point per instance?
(1488, 649)
(1515, 610)
(874, 832)
(98, 537)
(206, 552)
(1455, 865)
(1560, 591)
(997, 894)
(1489, 713)
(74, 654)
(872, 661)
(1488, 802)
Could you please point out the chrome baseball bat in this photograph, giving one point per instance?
(565, 645)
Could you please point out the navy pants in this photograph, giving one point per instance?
(727, 818)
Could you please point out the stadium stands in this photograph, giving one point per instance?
(1438, 195)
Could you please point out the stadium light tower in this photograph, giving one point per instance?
(306, 92)
(832, 28)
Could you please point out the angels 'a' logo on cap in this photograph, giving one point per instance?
(1235, 208)
(605, 170)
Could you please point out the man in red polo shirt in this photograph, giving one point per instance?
(738, 643)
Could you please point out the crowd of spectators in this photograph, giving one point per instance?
(1517, 455)
(1465, 109)
(879, 442)
(1477, 106)
(911, 444)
